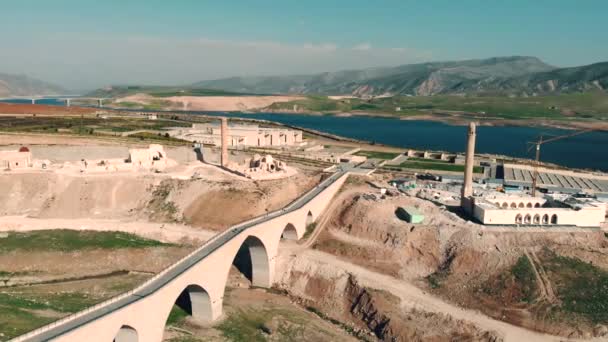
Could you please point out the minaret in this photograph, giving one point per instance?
(467, 187)
(224, 132)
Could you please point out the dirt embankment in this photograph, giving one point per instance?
(338, 295)
(206, 103)
(202, 203)
(368, 231)
(225, 204)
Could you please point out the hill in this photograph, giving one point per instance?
(21, 85)
(159, 91)
(411, 79)
(565, 80)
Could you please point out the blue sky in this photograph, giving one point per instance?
(86, 44)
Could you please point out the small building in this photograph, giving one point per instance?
(19, 159)
(154, 155)
(410, 214)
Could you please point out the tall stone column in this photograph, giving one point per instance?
(224, 132)
(467, 187)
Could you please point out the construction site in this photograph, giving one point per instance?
(400, 254)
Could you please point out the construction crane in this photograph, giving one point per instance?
(541, 142)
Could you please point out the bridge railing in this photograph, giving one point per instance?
(207, 244)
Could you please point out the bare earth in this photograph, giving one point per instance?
(208, 103)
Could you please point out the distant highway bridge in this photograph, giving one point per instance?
(196, 282)
(67, 99)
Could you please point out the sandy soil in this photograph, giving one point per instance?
(15, 108)
(223, 103)
(165, 232)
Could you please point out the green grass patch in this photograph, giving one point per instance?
(176, 315)
(523, 271)
(157, 136)
(15, 321)
(244, 326)
(437, 166)
(580, 106)
(378, 154)
(309, 230)
(429, 160)
(18, 310)
(64, 240)
(582, 287)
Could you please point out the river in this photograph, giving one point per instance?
(585, 151)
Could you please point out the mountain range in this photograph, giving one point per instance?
(515, 75)
(21, 85)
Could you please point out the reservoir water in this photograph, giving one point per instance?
(585, 151)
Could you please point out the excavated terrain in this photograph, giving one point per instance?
(202, 203)
(369, 313)
(474, 267)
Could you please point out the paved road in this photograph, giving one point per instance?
(51, 331)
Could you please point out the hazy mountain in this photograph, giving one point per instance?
(416, 79)
(564, 80)
(21, 85)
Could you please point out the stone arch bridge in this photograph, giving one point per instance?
(197, 281)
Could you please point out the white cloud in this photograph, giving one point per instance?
(84, 61)
(362, 47)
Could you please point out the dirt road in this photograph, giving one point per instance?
(413, 297)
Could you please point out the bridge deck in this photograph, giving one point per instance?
(77, 320)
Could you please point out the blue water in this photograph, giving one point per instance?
(586, 151)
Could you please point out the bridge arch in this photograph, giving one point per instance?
(126, 334)
(252, 260)
(309, 218)
(195, 301)
(290, 232)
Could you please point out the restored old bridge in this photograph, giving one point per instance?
(196, 282)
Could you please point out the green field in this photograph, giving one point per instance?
(429, 160)
(378, 155)
(157, 136)
(582, 287)
(584, 106)
(429, 165)
(65, 240)
(523, 272)
(161, 91)
(25, 308)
